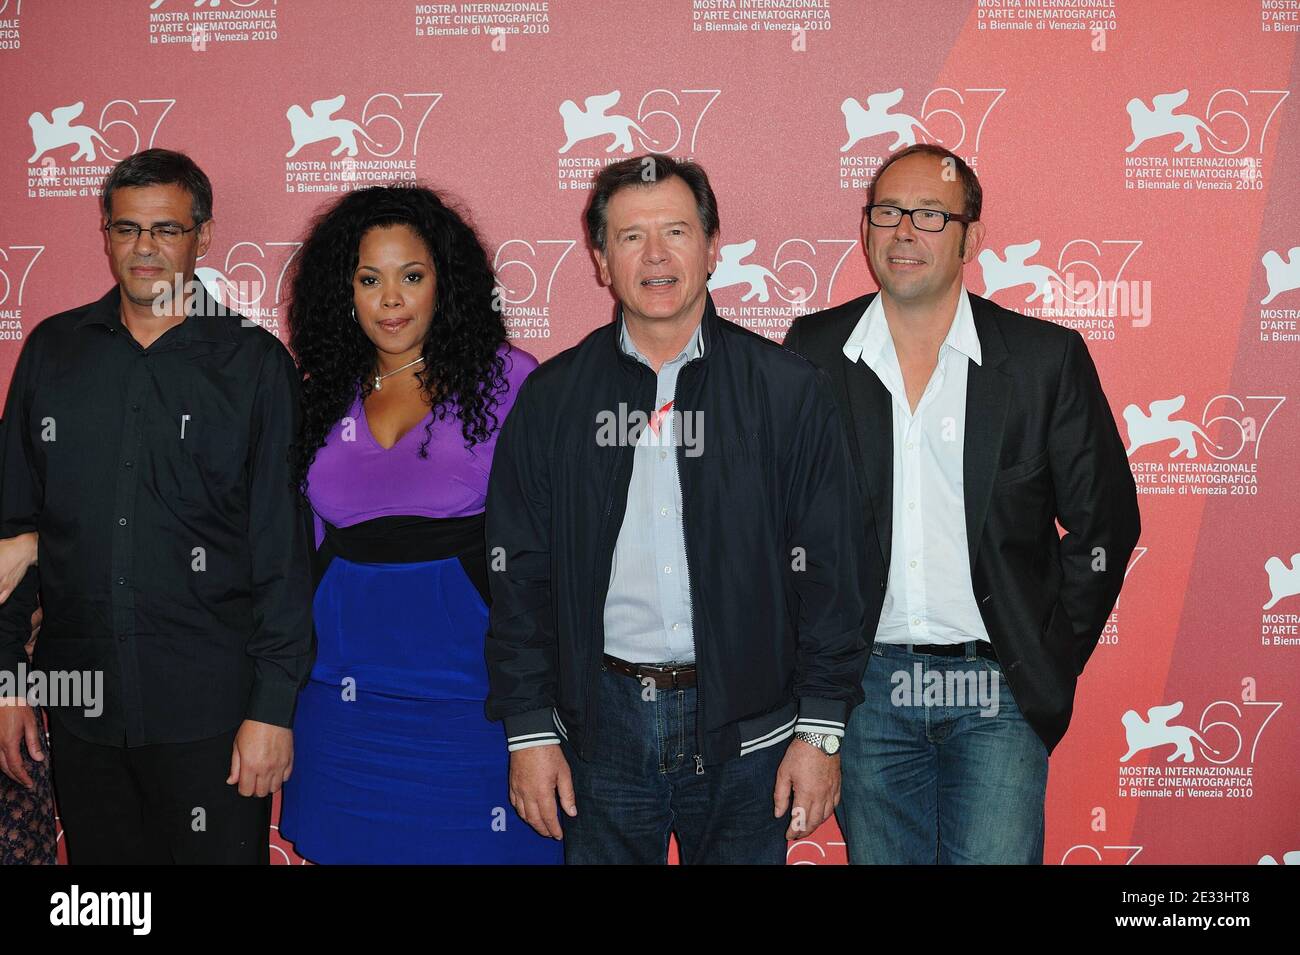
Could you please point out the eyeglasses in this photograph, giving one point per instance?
(927, 220)
(163, 234)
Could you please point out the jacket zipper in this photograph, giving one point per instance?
(690, 591)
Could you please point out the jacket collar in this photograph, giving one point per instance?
(694, 348)
(709, 333)
(871, 341)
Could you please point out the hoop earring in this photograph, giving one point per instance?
(354, 315)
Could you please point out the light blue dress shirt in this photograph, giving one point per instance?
(648, 606)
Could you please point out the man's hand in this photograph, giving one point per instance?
(16, 555)
(261, 759)
(536, 774)
(18, 723)
(815, 779)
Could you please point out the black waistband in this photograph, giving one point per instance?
(982, 649)
(405, 539)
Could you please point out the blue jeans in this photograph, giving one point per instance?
(940, 768)
(642, 784)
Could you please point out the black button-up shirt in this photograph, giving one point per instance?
(174, 554)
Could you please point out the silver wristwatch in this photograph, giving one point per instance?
(830, 745)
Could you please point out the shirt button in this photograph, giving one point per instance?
(121, 638)
(121, 580)
(663, 511)
(663, 455)
(911, 505)
(135, 407)
(128, 465)
(910, 445)
(916, 621)
(668, 568)
(677, 626)
(121, 521)
(912, 564)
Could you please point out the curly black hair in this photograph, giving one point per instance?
(462, 372)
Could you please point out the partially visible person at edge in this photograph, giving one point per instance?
(407, 377)
(677, 628)
(975, 430)
(27, 831)
(147, 443)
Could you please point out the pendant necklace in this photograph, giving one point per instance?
(379, 379)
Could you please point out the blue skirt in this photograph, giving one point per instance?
(394, 760)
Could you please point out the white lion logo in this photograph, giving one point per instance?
(731, 270)
(1283, 581)
(1283, 275)
(320, 126)
(1014, 270)
(877, 120)
(592, 122)
(1155, 731)
(1159, 119)
(56, 131)
(1144, 429)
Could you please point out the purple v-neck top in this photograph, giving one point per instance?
(354, 479)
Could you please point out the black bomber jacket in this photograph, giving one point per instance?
(773, 527)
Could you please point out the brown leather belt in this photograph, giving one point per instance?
(663, 677)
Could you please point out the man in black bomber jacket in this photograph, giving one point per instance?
(678, 562)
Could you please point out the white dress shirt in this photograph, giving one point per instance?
(929, 597)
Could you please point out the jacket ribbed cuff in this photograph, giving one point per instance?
(820, 715)
(535, 728)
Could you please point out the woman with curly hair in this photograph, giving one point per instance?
(407, 378)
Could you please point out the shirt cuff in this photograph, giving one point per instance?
(273, 703)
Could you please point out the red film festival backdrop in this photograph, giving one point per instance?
(1139, 161)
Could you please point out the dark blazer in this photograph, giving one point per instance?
(1040, 447)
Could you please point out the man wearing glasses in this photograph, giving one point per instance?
(146, 442)
(975, 431)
